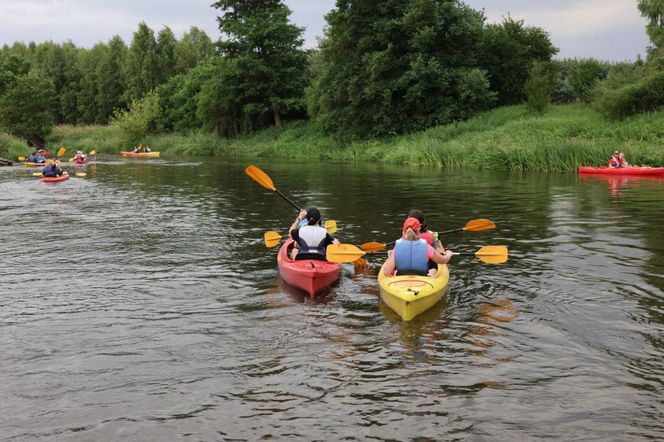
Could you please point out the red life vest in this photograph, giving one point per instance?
(428, 236)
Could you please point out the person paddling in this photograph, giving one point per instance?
(411, 253)
(51, 170)
(80, 157)
(614, 161)
(311, 240)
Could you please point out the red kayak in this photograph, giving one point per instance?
(55, 179)
(624, 171)
(310, 275)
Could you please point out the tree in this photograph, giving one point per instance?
(508, 51)
(540, 84)
(399, 67)
(26, 108)
(268, 55)
(653, 10)
(166, 54)
(194, 47)
(110, 80)
(142, 63)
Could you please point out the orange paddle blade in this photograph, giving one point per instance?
(477, 225)
(260, 177)
(343, 253)
(492, 254)
(61, 152)
(271, 238)
(373, 246)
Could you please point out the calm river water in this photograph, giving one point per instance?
(139, 303)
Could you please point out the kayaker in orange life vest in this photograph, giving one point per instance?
(617, 160)
(311, 240)
(412, 253)
(430, 236)
(79, 157)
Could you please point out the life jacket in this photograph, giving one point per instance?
(428, 236)
(411, 256)
(613, 162)
(312, 241)
(51, 170)
(79, 158)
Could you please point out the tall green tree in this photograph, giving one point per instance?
(653, 10)
(508, 51)
(71, 74)
(86, 100)
(166, 44)
(194, 47)
(110, 80)
(26, 108)
(267, 52)
(540, 84)
(398, 66)
(142, 66)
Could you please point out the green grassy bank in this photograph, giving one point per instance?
(505, 138)
(11, 147)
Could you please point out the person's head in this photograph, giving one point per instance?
(418, 215)
(616, 154)
(313, 216)
(411, 229)
(79, 151)
(621, 155)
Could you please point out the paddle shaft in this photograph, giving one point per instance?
(287, 200)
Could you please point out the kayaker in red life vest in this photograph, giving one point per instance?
(79, 157)
(311, 240)
(430, 236)
(623, 161)
(412, 253)
(614, 161)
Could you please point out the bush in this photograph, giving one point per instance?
(141, 119)
(539, 86)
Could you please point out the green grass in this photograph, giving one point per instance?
(505, 138)
(11, 147)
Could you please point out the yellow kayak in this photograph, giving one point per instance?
(410, 295)
(140, 154)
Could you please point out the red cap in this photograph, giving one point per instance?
(413, 223)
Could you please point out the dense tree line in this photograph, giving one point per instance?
(382, 68)
(48, 83)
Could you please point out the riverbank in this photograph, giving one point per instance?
(504, 138)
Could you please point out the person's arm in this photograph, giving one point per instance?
(441, 258)
(300, 217)
(329, 239)
(389, 266)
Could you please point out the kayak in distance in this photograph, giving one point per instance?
(625, 171)
(55, 179)
(310, 275)
(140, 154)
(410, 295)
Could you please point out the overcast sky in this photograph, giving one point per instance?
(604, 29)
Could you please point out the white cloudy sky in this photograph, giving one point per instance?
(604, 29)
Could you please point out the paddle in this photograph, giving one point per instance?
(21, 158)
(61, 152)
(475, 225)
(264, 180)
(343, 253)
(488, 254)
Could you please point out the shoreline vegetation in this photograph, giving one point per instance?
(509, 137)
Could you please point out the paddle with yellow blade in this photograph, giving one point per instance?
(349, 252)
(488, 254)
(475, 225)
(343, 253)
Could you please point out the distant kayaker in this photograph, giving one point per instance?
(623, 161)
(51, 170)
(614, 161)
(412, 253)
(311, 240)
(147, 149)
(80, 157)
(35, 158)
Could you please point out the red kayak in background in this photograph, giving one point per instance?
(310, 275)
(624, 171)
(55, 179)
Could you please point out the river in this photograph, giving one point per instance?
(140, 303)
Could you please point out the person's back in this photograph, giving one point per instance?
(411, 256)
(614, 161)
(311, 240)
